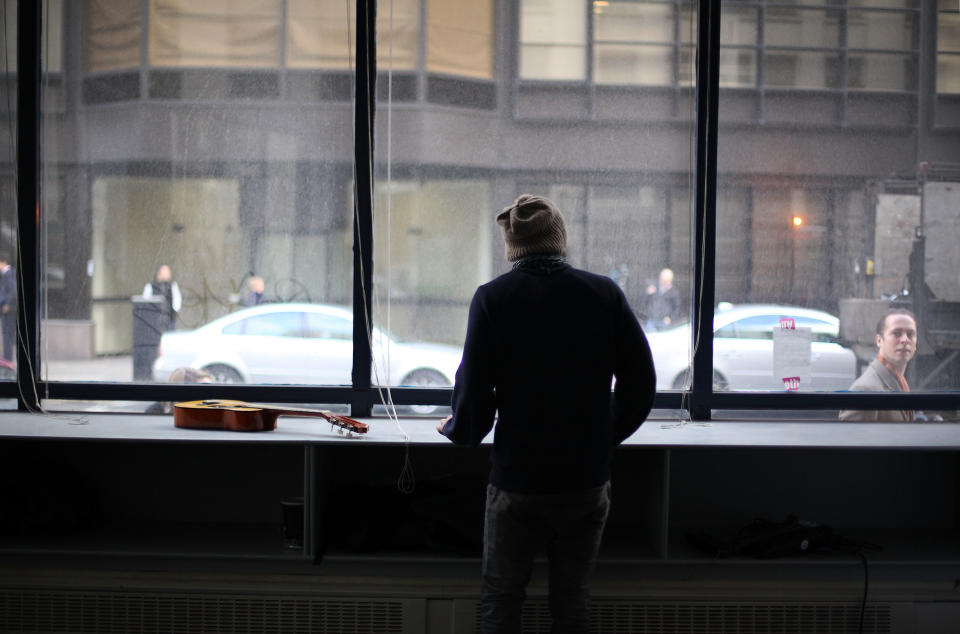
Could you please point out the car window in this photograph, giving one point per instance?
(328, 327)
(727, 332)
(821, 330)
(757, 327)
(761, 327)
(285, 324)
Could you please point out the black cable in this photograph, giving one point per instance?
(866, 588)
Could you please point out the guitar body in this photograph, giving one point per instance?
(224, 414)
(233, 415)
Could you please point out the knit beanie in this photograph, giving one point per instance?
(532, 225)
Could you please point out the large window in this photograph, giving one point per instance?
(824, 235)
(209, 172)
(179, 214)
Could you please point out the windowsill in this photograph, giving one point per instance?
(653, 434)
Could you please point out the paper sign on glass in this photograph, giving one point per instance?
(791, 354)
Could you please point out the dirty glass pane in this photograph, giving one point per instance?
(834, 206)
(617, 162)
(184, 188)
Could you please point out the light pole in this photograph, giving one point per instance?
(795, 224)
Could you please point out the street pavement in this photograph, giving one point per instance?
(111, 368)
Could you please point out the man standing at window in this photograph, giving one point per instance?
(8, 307)
(543, 343)
(896, 345)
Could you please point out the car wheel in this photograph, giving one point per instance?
(425, 378)
(720, 383)
(224, 373)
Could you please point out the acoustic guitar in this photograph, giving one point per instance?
(241, 416)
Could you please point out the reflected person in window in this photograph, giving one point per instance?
(180, 375)
(544, 342)
(896, 345)
(163, 285)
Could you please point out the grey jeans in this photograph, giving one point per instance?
(569, 526)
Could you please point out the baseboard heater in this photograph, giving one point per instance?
(140, 612)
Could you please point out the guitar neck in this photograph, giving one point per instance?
(334, 419)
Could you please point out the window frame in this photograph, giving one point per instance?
(699, 399)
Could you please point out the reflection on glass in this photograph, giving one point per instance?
(821, 230)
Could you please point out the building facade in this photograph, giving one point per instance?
(218, 139)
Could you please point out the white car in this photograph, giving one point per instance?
(309, 344)
(743, 350)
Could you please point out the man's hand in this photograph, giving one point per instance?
(442, 423)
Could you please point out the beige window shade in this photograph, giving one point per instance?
(221, 33)
(460, 39)
(320, 34)
(403, 28)
(111, 34)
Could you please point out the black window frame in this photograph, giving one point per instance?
(699, 399)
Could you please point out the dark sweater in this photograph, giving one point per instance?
(542, 349)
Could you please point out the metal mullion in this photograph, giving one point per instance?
(834, 401)
(703, 288)
(28, 201)
(364, 110)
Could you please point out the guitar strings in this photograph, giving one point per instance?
(406, 481)
(32, 405)
(684, 415)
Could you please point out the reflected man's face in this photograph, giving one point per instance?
(898, 343)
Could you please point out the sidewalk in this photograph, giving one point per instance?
(112, 368)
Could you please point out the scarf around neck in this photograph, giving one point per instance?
(548, 263)
(902, 380)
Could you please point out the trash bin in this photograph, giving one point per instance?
(148, 324)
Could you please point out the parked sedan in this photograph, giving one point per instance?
(743, 350)
(299, 344)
